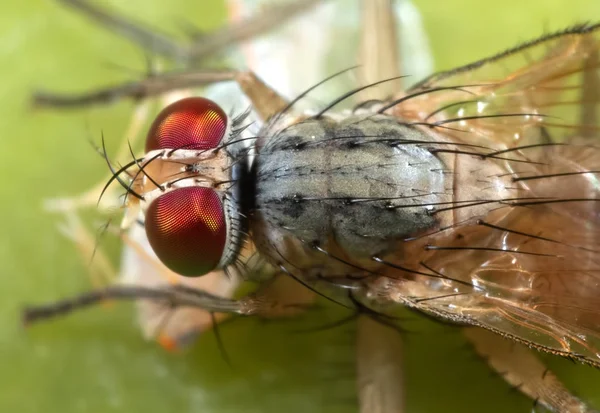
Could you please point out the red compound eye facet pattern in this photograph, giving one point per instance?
(194, 123)
(187, 230)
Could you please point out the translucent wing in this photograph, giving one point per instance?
(520, 255)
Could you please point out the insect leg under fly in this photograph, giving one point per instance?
(479, 109)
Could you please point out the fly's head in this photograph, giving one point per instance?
(185, 190)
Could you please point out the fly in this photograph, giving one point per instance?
(471, 197)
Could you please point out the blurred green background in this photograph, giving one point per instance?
(96, 361)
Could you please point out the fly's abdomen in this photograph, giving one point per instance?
(329, 194)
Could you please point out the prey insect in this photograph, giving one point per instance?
(470, 197)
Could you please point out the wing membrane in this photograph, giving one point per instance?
(520, 256)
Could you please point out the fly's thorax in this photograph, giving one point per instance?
(331, 195)
(350, 189)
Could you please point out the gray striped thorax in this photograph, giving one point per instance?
(360, 184)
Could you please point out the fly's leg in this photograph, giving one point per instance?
(379, 367)
(179, 296)
(266, 101)
(203, 46)
(175, 296)
(522, 369)
(143, 36)
(379, 50)
(393, 42)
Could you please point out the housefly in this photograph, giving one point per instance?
(470, 197)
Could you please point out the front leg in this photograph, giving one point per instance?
(204, 46)
(265, 100)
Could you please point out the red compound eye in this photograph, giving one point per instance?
(194, 123)
(187, 230)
